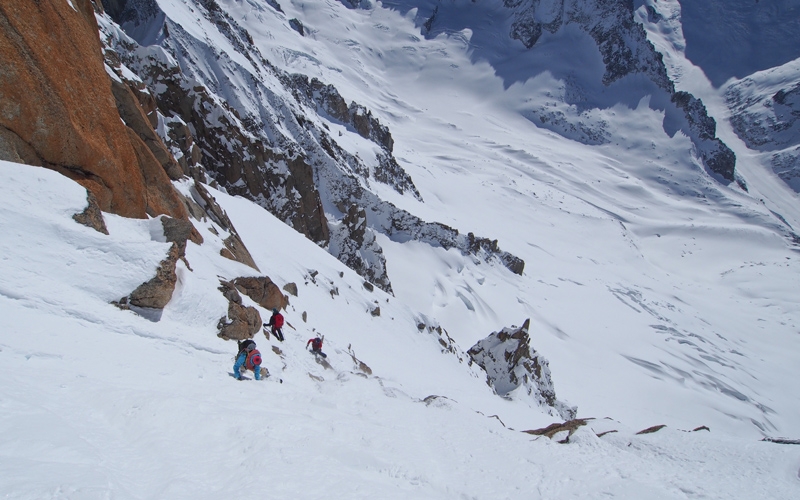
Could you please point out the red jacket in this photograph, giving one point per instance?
(316, 344)
(276, 321)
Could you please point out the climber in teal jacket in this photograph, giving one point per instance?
(249, 358)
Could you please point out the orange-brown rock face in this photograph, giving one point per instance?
(57, 109)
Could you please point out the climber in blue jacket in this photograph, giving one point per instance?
(249, 358)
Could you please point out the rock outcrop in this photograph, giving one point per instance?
(154, 294)
(263, 291)
(235, 248)
(54, 116)
(291, 289)
(92, 216)
(326, 99)
(565, 429)
(513, 368)
(157, 292)
(354, 242)
(180, 231)
(716, 155)
(242, 322)
(297, 25)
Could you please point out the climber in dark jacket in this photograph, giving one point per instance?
(249, 358)
(276, 322)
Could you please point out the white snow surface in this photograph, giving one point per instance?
(657, 295)
(101, 403)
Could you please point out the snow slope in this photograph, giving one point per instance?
(658, 295)
(98, 402)
(635, 258)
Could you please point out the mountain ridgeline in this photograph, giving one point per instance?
(216, 109)
(256, 132)
(226, 115)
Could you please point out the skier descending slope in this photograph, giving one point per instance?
(249, 358)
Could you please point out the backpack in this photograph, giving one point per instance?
(316, 344)
(278, 320)
(253, 359)
(246, 346)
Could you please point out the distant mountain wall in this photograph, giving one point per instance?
(629, 60)
(626, 51)
(765, 113)
(736, 38)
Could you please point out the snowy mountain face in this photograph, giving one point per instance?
(411, 180)
(629, 68)
(266, 134)
(745, 49)
(766, 116)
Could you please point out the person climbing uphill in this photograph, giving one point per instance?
(249, 358)
(316, 346)
(276, 322)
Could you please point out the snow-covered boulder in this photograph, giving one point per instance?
(513, 369)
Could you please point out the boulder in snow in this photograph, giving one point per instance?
(242, 322)
(263, 291)
(513, 368)
(92, 216)
(157, 292)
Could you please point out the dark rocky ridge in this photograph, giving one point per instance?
(275, 151)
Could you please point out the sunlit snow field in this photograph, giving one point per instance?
(658, 295)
